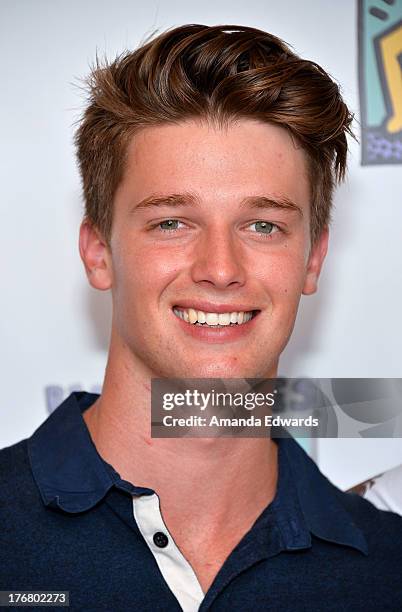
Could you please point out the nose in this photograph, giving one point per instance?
(218, 260)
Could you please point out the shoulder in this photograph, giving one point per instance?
(16, 479)
(382, 529)
(13, 460)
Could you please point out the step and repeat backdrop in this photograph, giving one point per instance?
(55, 329)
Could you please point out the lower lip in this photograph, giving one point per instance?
(215, 334)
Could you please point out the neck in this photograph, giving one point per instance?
(224, 474)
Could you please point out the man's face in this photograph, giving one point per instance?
(228, 233)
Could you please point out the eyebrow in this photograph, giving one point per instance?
(264, 202)
(173, 199)
(188, 199)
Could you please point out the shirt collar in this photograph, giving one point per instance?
(73, 477)
(319, 502)
(67, 468)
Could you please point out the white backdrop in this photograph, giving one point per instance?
(54, 328)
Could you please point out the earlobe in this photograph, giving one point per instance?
(95, 255)
(315, 261)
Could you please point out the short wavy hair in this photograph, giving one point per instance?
(218, 74)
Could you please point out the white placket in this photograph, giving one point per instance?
(176, 570)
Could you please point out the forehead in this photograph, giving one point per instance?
(246, 158)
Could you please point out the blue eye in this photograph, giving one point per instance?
(264, 227)
(170, 224)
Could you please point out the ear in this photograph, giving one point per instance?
(96, 256)
(315, 261)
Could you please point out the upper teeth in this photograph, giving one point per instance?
(190, 315)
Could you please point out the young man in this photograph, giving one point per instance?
(208, 158)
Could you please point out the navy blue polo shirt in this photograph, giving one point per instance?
(67, 523)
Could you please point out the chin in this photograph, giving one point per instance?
(231, 368)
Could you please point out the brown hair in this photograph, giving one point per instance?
(217, 73)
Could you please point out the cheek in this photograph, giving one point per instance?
(159, 266)
(283, 275)
(142, 273)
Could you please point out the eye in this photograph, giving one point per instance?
(168, 225)
(265, 227)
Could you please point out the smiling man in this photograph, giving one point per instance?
(208, 158)
(207, 221)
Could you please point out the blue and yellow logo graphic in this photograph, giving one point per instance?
(380, 80)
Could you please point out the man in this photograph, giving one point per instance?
(208, 158)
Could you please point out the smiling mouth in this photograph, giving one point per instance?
(214, 319)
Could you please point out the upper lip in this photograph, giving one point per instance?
(210, 307)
